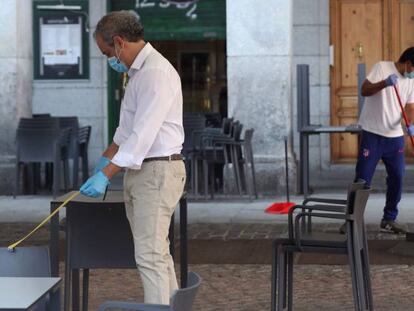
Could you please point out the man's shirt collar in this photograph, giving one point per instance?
(140, 58)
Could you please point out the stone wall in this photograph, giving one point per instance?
(15, 80)
(86, 99)
(259, 63)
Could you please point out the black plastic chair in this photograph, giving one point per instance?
(181, 300)
(42, 141)
(353, 244)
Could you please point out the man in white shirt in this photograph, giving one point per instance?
(382, 137)
(147, 143)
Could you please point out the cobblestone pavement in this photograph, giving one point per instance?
(247, 287)
(242, 287)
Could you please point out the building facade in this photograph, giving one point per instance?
(254, 60)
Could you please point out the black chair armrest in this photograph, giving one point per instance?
(324, 200)
(309, 209)
(298, 231)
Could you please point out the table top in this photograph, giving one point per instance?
(316, 129)
(23, 292)
(112, 196)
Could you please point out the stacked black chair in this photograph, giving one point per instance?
(303, 239)
(41, 140)
(217, 146)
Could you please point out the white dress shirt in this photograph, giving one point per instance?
(151, 117)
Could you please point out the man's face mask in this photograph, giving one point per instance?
(409, 75)
(116, 63)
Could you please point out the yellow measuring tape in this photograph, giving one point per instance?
(13, 246)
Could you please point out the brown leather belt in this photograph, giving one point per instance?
(173, 157)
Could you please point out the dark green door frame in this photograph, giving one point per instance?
(166, 23)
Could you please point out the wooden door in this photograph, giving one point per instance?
(357, 36)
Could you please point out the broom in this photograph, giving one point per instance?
(282, 207)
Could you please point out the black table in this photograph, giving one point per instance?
(304, 133)
(98, 236)
(22, 293)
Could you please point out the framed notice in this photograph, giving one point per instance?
(60, 45)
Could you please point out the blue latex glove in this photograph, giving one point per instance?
(391, 80)
(103, 161)
(410, 130)
(95, 185)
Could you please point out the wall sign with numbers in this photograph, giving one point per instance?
(178, 20)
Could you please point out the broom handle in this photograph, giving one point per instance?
(407, 123)
(287, 171)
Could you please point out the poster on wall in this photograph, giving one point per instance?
(60, 46)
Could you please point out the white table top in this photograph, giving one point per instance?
(23, 292)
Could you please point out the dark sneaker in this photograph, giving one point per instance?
(392, 226)
(342, 228)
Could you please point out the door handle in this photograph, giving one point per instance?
(360, 50)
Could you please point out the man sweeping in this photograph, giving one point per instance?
(382, 135)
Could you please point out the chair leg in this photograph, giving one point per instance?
(212, 180)
(85, 289)
(85, 167)
(248, 180)
(205, 175)
(253, 176)
(75, 172)
(233, 157)
(66, 174)
(354, 274)
(273, 285)
(281, 281)
(16, 179)
(367, 276)
(56, 178)
(195, 170)
(290, 280)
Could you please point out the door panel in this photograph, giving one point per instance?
(358, 37)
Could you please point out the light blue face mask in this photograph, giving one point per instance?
(117, 65)
(409, 75)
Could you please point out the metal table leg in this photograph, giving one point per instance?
(183, 241)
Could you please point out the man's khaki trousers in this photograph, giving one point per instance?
(151, 195)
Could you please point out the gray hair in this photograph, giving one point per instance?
(120, 23)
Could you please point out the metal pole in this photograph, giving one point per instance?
(287, 171)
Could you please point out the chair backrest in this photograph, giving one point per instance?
(84, 134)
(183, 298)
(39, 123)
(25, 261)
(41, 115)
(37, 144)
